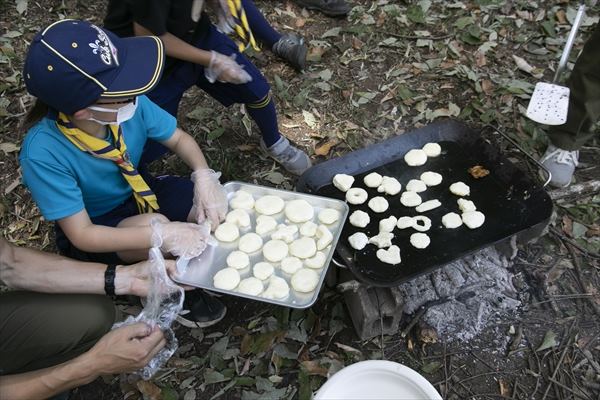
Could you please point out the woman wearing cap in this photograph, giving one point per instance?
(85, 139)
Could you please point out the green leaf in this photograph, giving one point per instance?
(431, 367)
(548, 342)
(168, 393)
(211, 376)
(282, 351)
(415, 14)
(12, 34)
(216, 133)
(199, 113)
(305, 391)
(463, 22)
(548, 28)
(21, 6)
(332, 32)
(326, 75)
(405, 93)
(579, 230)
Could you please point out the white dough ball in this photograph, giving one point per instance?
(239, 217)
(251, 286)
(262, 270)
(388, 224)
(290, 265)
(242, 199)
(317, 261)
(287, 233)
(416, 185)
(265, 224)
(410, 199)
(382, 239)
(460, 189)
(466, 205)
(250, 243)
(305, 280)
(373, 180)
(269, 205)
(389, 185)
(473, 219)
(452, 220)
(309, 229)
(378, 204)
(275, 250)
(238, 259)
(324, 237)
(421, 223)
(359, 219)
(343, 182)
(299, 211)
(405, 222)
(304, 247)
(358, 240)
(227, 232)
(432, 149)
(419, 240)
(428, 205)
(431, 178)
(226, 279)
(328, 216)
(278, 289)
(389, 256)
(356, 196)
(415, 157)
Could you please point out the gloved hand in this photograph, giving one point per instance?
(221, 9)
(181, 239)
(225, 69)
(210, 198)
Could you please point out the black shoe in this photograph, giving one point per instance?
(331, 8)
(292, 49)
(200, 310)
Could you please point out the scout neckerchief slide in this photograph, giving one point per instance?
(144, 197)
(242, 28)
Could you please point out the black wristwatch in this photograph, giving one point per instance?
(109, 279)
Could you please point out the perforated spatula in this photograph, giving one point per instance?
(549, 102)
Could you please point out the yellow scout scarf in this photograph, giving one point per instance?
(144, 197)
(242, 28)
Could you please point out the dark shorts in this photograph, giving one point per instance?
(175, 196)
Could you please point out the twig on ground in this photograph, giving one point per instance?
(556, 369)
(579, 275)
(412, 323)
(569, 390)
(577, 190)
(566, 240)
(416, 37)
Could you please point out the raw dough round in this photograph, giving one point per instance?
(452, 220)
(415, 157)
(378, 204)
(373, 180)
(238, 259)
(304, 247)
(389, 256)
(466, 205)
(227, 232)
(275, 250)
(388, 224)
(473, 219)
(239, 217)
(431, 178)
(277, 289)
(226, 279)
(317, 261)
(460, 189)
(359, 219)
(382, 239)
(390, 186)
(299, 211)
(419, 240)
(432, 149)
(428, 205)
(309, 229)
(416, 185)
(290, 265)
(356, 196)
(328, 216)
(262, 270)
(343, 182)
(250, 243)
(287, 233)
(405, 222)
(242, 199)
(410, 199)
(265, 224)
(269, 205)
(305, 280)
(421, 223)
(251, 286)
(358, 240)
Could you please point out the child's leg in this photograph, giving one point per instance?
(260, 27)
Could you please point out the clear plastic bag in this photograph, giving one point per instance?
(163, 304)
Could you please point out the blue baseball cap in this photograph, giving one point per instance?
(71, 64)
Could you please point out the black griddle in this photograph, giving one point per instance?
(511, 200)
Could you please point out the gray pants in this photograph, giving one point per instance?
(41, 330)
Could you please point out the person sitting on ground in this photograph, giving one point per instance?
(199, 54)
(55, 331)
(85, 138)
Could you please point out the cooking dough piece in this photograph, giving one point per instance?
(382, 239)
(389, 185)
(317, 261)
(275, 250)
(389, 256)
(466, 205)
(373, 180)
(388, 224)
(239, 217)
(324, 237)
(378, 204)
(250, 243)
(473, 219)
(290, 265)
(299, 211)
(309, 229)
(432, 149)
(421, 223)
(269, 205)
(328, 216)
(278, 289)
(419, 240)
(410, 199)
(460, 189)
(238, 259)
(359, 219)
(343, 182)
(356, 196)
(431, 178)
(452, 220)
(262, 270)
(242, 199)
(416, 185)
(227, 232)
(265, 224)
(251, 286)
(226, 279)
(428, 205)
(358, 240)
(287, 233)
(415, 157)
(405, 222)
(305, 280)
(304, 247)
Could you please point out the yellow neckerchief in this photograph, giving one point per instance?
(144, 197)
(242, 28)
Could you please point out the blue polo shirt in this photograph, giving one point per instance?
(64, 180)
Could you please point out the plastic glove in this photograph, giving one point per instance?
(181, 239)
(225, 69)
(221, 9)
(210, 198)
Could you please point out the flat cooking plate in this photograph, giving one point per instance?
(511, 200)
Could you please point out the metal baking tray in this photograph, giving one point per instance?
(200, 270)
(512, 200)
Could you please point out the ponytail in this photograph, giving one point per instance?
(38, 111)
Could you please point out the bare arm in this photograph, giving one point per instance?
(182, 144)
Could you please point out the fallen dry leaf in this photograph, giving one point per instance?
(149, 390)
(324, 148)
(313, 367)
(561, 16)
(567, 225)
(246, 147)
(487, 86)
(300, 22)
(504, 389)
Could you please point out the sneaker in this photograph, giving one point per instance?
(331, 8)
(200, 310)
(561, 164)
(294, 160)
(292, 49)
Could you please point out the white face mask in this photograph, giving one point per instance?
(123, 113)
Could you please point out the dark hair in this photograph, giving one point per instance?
(34, 115)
